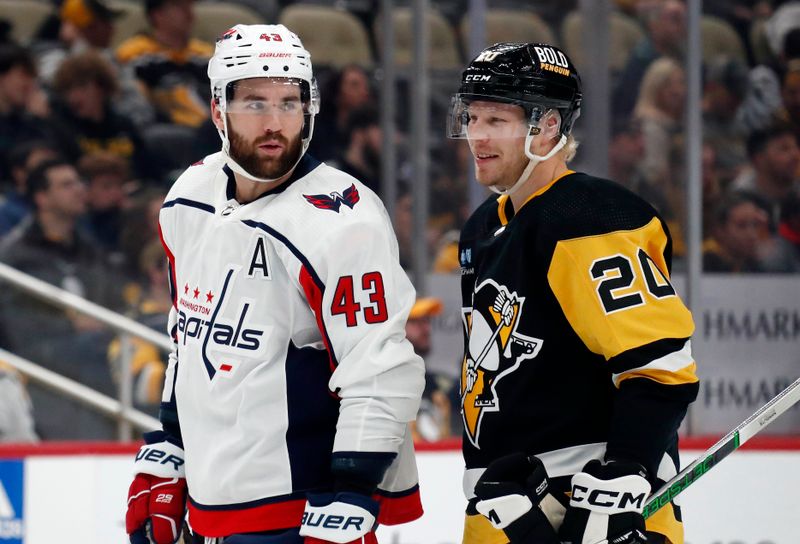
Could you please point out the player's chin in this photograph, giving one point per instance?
(486, 179)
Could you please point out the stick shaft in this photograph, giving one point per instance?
(724, 447)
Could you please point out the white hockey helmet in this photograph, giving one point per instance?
(253, 51)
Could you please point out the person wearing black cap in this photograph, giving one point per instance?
(573, 331)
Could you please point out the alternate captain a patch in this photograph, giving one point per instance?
(333, 201)
(495, 350)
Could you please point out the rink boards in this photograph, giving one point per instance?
(70, 493)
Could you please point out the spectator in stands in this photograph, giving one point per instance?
(84, 24)
(48, 245)
(16, 413)
(85, 119)
(435, 410)
(774, 161)
(659, 110)
(362, 156)
(170, 64)
(404, 227)
(5, 32)
(22, 159)
(89, 25)
(140, 229)
(790, 96)
(782, 253)
(151, 309)
(711, 188)
(741, 225)
(20, 109)
(625, 152)
(741, 15)
(346, 91)
(665, 23)
(763, 100)
(724, 90)
(106, 175)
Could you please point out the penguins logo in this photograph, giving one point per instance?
(495, 350)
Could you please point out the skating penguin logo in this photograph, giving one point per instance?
(495, 350)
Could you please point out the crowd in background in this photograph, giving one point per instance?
(92, 136)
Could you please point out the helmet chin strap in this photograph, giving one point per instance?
(236, 167)
(533, 161)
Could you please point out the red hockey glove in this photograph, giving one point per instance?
(606, 505)
(513, 494)
(157, 496)
(343, 518)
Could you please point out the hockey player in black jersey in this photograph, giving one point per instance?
(578, 368)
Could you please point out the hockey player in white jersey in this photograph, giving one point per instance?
(291, 384)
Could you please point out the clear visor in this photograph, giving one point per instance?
(268, 96)
(476, 117)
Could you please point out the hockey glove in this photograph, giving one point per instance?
(606, 505)
(343, 517)
(510, 494)
(157, 496)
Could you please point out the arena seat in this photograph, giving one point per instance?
(443, 52)
(720, 39)
(25, 16)
(211, 19)
(512, 25)
(624, 33)
(334, 37)
(267, 9)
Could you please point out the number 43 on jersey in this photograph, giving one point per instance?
(345, 303)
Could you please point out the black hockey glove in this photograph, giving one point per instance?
(510, 494)
(606, 505)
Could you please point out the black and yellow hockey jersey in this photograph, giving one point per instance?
(576, 344)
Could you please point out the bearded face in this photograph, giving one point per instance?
(268, 156)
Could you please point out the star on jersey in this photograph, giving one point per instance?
(333, 201)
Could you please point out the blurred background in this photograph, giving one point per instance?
(104, 102)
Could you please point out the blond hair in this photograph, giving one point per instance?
(655, 79)
(570, 148)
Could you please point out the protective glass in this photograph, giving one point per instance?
(480, 117)
(268, 96)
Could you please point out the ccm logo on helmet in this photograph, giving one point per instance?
(332, 521)
(604, 498)
(550, 56)
(477, 77)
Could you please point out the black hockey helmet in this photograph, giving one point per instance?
(536, 76)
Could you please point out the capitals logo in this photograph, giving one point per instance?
(228, 34)
(495, 350)
(229, 337)
(333, 201)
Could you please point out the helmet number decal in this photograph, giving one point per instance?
(272, 37)
(615, 276)
(487, 56)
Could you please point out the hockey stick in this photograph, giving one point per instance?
(724, 447)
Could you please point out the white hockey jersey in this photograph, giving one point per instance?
(289, 320)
